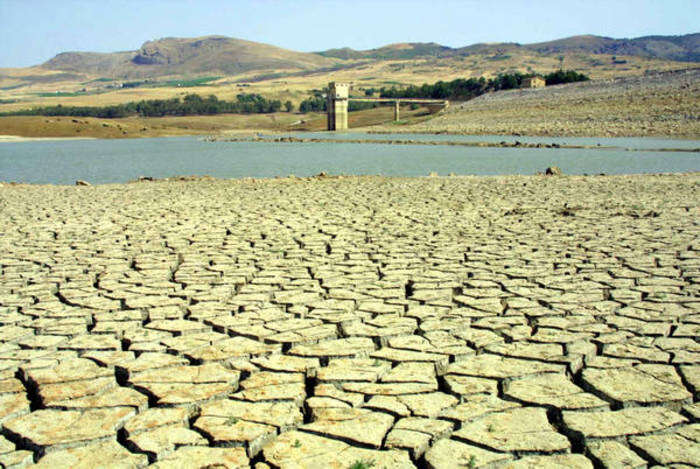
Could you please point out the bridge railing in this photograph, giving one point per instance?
(398, 101)
(403, 100)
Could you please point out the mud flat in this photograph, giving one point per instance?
(523, 321)
(660, 104)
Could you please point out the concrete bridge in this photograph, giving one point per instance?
(339, 96)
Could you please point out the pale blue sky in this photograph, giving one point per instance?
(32, 31)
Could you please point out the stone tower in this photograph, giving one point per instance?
(338, 105)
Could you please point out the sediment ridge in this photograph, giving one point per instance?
(502, 144)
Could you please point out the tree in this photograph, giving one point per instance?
(288, 106)
(275, 106)
(565, 76)
(313, 104)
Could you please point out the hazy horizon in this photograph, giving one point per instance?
(120, 25)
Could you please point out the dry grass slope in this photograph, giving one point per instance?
(222, 124)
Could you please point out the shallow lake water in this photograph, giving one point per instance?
(114, 161)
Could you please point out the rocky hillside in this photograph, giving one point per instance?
(680, 48)
(187, 56)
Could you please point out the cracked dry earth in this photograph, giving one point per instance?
(502, 322)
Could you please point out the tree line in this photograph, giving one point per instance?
(460, 89)
(463, 89)
(191, 104)
(315, 103)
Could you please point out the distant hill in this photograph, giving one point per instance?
(187, 56)
(679, 48)
(213, 56)
(405, 50)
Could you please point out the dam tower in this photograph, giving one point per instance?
(338, 94)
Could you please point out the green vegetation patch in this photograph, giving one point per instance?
(565, 76)
(464, 89)
(315, 103)
(189, 83)
(134, 84)
(13, 87)
(61, 94)
(361, 464)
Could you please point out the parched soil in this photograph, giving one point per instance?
(661, 104)
(330, 322)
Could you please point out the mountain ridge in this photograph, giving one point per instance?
(173, 56)
(221, 55)
(682, 48)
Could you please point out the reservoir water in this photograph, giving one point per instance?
(115, 161)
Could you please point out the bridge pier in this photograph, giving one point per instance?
(396, 110)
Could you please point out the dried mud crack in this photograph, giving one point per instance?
(500, 322)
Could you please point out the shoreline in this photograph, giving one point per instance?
(384, 131)
(284, 137)
(379, 130)
(503, 144)
(17, 138)
(324, 177)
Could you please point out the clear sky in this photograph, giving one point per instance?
(33, 31)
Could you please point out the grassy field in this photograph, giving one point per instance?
(39, 126)
(133, 127)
